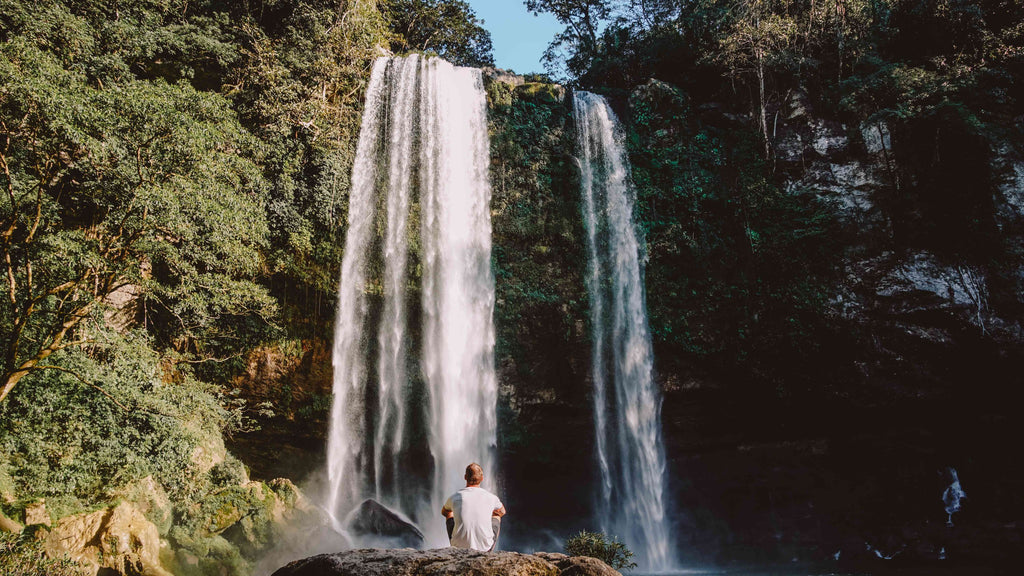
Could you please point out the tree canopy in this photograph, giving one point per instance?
(448, 28)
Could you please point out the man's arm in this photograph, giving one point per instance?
(446, 511)
(498, 512)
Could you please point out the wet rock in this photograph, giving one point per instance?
(373, 519)
(232, 526)
(443, 562)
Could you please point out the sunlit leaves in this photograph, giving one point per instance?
(448, 28)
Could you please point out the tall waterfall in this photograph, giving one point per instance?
(627, 403)
(415, 402)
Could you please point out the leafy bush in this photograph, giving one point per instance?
(104, 420)
(600, 546)
(22, 555)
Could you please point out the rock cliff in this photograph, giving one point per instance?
(894, 357)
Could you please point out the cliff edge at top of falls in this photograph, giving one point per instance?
(445, 562)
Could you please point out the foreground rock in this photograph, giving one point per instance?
(444, 562)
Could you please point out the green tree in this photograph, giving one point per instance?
(113, 184)
(449, 28)
(582, 20)
(758, 38)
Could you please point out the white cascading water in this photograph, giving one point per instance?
(627, 402)
(404, 428)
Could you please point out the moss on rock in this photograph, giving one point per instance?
(541, 92)
(231, 526)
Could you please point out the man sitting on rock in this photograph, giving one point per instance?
(473, 514)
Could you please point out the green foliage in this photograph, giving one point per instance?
(121, 181)
(763, 254)
(572, 50)
(537, 251)
(23, 555)
(599, 545)
(448, 28)
(225, 530)
(738, 272)
(103, 421)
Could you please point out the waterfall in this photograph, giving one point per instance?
(627, 403)
(403, 428)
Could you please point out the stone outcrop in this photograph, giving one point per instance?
(118, 539)
(230, 527)
(444, 562)
(293, 380)
(371, 518)
(10, 526)
(35, 513)
(578, 565)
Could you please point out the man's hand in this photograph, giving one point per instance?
(498, 512)
(447, 513)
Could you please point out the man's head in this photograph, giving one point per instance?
(474, 474)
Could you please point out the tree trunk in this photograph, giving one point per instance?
(11, 377)
(763, 105)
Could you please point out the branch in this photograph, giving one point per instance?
(7, 172)
(203, 360)
(83, 381)
(11, 378)
(12, 283)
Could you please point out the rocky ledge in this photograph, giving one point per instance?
(445, 562)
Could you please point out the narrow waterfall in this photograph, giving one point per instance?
(627, 403)
(415, 395)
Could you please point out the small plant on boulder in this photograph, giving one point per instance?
(601, 546)
(22, 555)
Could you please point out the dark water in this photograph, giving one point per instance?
(935, 569)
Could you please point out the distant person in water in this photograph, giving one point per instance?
(473, 514)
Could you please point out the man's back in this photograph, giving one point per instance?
(473, 507)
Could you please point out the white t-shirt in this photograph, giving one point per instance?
(473, 507)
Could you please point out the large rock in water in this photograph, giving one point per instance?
(375, 520)
(444, 562)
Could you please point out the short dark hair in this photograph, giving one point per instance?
(474, 474)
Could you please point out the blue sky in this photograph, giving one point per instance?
(519, 37)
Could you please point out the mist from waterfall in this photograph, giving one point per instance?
(627, 402)
(415, 402)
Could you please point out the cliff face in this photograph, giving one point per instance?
(850, 444)
(836, 330)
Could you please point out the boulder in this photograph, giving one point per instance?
(150, 498)
(229, 528)
(35, 513)
(371, 518)
(8, 525)
(578, 565)
(119, 539)
(443, 562)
